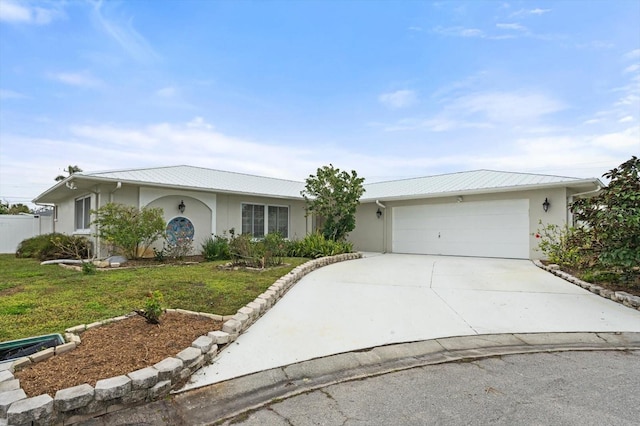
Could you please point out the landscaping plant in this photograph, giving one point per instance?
(334, 195)
(216, 248)
(54, 246)
(611, 220)
(131, 231)
(152, 307)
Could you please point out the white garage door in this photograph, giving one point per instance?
(484, 228)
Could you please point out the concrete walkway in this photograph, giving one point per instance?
(385, 299)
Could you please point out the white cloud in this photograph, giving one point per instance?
(512, 107)
(459, 32)
(125, 35)
(199, 123)
(632, 68)
(415, 28)
(10, 94)
(514, 26)
(79, 79)
(626, 119)
(24, 13)
(398, 99)
(633, 54)
(537, 11)
(167, 92)
(626, 140)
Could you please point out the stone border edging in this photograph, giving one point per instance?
(83, 402)
(628, 300)
(224, 400)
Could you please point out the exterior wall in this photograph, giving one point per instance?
(369, 234)
(229, 213)
(366, 236)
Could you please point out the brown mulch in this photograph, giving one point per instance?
(631, 288)
(115, 349)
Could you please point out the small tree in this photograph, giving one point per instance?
(612, 217)
(334, 195)
(129, 229)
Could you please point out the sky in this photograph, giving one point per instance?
(390, 89)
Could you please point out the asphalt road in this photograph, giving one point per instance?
(564, 388)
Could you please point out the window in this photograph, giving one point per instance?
(83, 213)
(279, 220)
(254, 223)
(253, 220)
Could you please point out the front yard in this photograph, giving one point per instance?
(37, 299)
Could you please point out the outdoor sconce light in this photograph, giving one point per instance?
(181, 206)
(379, 213)
(546, 204)
(459, 198)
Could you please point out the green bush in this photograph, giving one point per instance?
(216, 248)
(54, 246)
(153, 307)
(267, 252)
(88, 268)
(316, 245)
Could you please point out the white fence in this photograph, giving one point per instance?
(15, 228)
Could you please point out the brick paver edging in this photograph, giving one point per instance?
(83, 402)
(623, 297)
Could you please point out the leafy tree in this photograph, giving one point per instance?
(129, 229)
(6, 208)
(334, 195)
(70, 170)
(612, 217)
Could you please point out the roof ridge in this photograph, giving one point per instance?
(469, 172)
(189, 167)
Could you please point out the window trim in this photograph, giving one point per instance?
(85, 215)
(266, 216)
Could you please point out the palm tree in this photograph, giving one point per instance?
(71, 170)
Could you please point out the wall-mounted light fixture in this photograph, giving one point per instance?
(459, 198)
(379, 213)
(546, 204)
(181, 206)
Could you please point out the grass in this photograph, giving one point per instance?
(37, 299)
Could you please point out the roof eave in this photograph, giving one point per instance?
(568, 184)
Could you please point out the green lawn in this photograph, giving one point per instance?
(37, 299)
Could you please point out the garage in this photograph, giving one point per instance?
(498, 228)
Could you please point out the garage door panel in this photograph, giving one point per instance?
(488, 228)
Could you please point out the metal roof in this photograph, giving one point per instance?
(210, 180)
(476, 181)
(207, 179)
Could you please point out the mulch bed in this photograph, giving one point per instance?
(113, 350)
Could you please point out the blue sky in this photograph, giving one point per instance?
(392, 89)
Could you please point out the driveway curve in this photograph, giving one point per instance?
(393, 298)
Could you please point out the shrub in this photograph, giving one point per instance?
(88, 268)
(152, 307)
(129, 229)
(267, 252)
(566, 246)
(216, 248)
(54, 246)
(180, 247)
(316, 245)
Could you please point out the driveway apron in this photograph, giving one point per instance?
(394, 298)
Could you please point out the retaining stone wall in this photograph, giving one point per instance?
(623, 297)
(83, 402)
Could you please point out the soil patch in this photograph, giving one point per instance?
(115, 349)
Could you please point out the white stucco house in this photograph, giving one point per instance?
(478, 213)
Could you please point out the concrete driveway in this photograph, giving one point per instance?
(392, 298)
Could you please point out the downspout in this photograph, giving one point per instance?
(571, 198)
(118, 186)
(384, 227)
